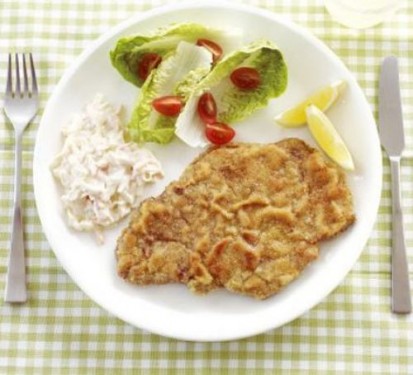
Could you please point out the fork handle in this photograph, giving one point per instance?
(401, 299)
(16, 275)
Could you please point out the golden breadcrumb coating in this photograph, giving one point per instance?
(246, 217)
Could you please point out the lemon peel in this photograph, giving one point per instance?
(322, 99)
(327, 137)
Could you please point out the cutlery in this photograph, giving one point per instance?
(392, 139)
(20, 105)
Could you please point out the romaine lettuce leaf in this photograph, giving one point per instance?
(174, 76)
(189, 127)
(234, 104)
(129, 50)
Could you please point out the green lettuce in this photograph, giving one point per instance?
(129, 50)
(234, 104)
(176, 75)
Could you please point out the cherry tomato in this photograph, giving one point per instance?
(246, 78)
(207, 108)
(168, 105)
(219, 133)
(148, 62)
(212, 47)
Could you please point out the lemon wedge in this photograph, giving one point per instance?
(327, 137)
(322, 98)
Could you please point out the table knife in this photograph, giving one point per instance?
(392, 139)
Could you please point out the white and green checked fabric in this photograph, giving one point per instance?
(61, 331)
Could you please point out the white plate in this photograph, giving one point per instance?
(171, 310)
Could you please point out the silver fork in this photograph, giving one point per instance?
(20, 106)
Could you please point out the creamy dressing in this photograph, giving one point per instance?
(102, 177)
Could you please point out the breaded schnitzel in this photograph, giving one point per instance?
(246, 217)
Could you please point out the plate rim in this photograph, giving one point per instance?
(158, 11)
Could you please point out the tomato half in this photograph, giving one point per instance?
(168, 105)
(219, 133)
(246, 78)
(207, 108)
(148, 62)
(212, 47)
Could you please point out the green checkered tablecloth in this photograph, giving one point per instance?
(60, 330)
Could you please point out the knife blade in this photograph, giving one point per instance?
(390, 109)
(392, 139)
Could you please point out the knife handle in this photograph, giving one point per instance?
(401, 299)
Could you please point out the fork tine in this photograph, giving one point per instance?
(9, 88)
(26, 83)
(18, 90)
(34, 81)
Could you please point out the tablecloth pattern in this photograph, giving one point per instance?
(60, 330)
